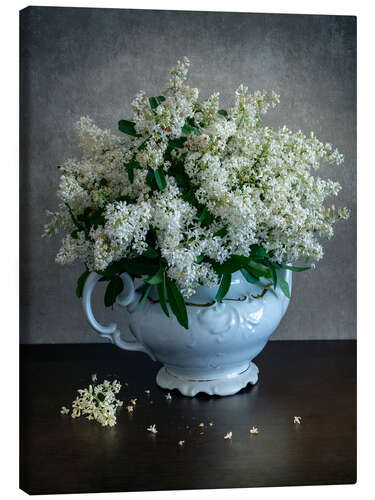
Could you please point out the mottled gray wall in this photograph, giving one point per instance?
(92, 61)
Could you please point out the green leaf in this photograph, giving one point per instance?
(274, 277)
(231, 265)
(307, 259)
(128, 127)
(177, 171)
(189, 197)
(275, 265)
(114, 288)
(224, 287)
(284, 286)
(223, 112)
(177, 303)
(258, 252)
(162, 297)
(156, 278)
(126, 198)
(205, 216)
(222, 232)
(143, 301)
(81, 283)
(153, 102)
(187, 129)
(150, 179)
(130, 170)
(199, 259)
(258, 269)
(130, 166)
(249, 277)
(141, 266)
(90, 218)
(150, 253)
(176, 143)
(294, 268)
(112, 270)
(160, 178)
(95, 219)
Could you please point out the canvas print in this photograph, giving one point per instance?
(188, 234)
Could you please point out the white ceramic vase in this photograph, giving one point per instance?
(215, 354)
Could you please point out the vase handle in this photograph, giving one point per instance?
(111, 332)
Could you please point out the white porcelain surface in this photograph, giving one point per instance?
(218, 387)
(214, 355)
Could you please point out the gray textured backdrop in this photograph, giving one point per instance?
(92, 61)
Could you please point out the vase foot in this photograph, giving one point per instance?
(225, 386)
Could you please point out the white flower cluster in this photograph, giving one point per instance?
(98, 403)
(255, 184)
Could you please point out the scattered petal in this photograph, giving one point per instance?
(147, 391)
(297, 420)
(168, 396)
(133, 401)
(130, 408)
(94, 378)
(228, 435)
(152, 429)
(211, 424)
(64, 410)
(98, 402)
(181, 443)
(201, 424)
(254, 430)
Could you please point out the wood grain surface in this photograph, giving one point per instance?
(312, 379)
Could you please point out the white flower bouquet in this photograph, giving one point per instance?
(191, 193)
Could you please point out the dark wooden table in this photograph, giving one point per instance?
(314, 380)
